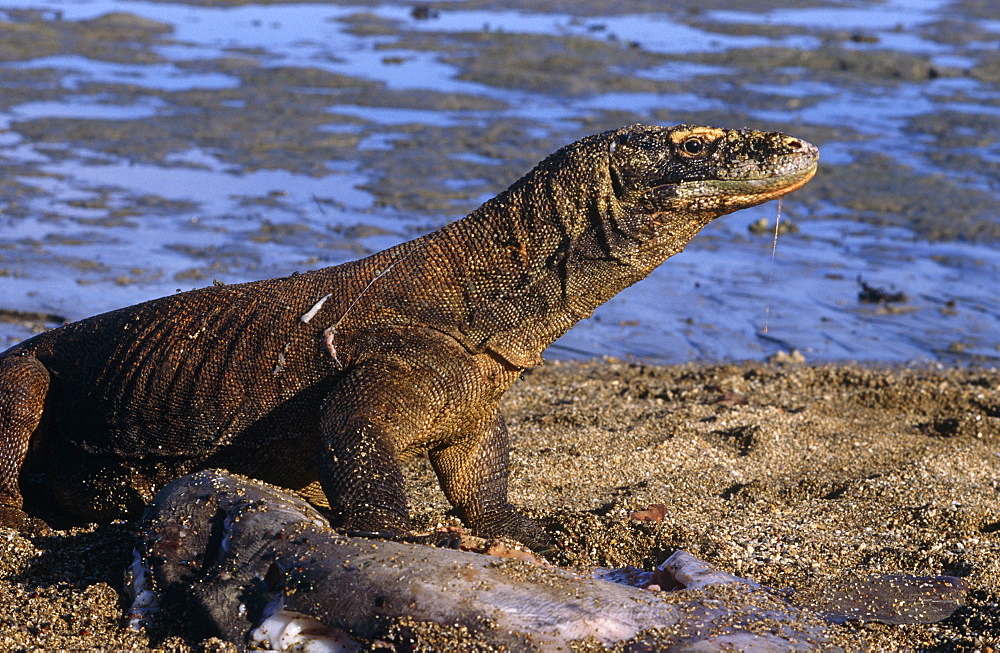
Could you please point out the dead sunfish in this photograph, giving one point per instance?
(240, 560)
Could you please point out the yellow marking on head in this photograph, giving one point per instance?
(678, 136)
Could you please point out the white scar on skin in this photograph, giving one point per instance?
(315, 309)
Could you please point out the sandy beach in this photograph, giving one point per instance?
(801, 478)
(151, 147)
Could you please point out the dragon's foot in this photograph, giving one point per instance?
(11, 517)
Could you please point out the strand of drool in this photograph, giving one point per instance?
(770, 274)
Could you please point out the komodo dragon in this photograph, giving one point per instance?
(322, 382)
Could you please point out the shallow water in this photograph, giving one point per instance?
(171, 144)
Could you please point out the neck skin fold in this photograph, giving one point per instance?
(526, 266)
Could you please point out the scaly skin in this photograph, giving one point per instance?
(322, 382)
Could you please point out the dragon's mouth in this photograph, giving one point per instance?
(748, 191)
(774, 185)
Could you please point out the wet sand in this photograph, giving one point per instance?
(798, 477)
(154, 146)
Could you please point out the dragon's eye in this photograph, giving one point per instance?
(693, 146)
